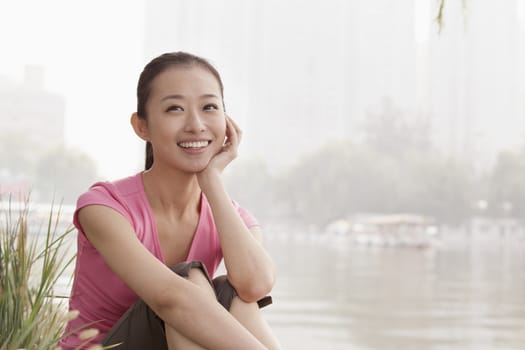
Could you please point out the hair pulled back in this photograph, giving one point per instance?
(156, 67)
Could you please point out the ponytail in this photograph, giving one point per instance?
(149, 155)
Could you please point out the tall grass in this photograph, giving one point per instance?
(30, 316)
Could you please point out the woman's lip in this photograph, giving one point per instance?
(194, 151)
(195, 140)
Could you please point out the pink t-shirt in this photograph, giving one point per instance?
(100, 295)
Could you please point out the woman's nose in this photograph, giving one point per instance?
(194, 122)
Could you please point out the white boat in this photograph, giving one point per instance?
(411, 230)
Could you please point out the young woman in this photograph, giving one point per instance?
(148, 244)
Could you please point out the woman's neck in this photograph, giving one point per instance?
(171, 192)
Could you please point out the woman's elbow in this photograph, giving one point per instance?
(257, 289)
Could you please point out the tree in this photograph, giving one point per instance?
(441, 11)
(392, 132)
(506, 185)
(250, 184)
(63, 174)
(17, 154)
(344, 179)
(339, 179)
(439, 187)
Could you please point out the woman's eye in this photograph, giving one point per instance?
(174, 108)
(210, 106)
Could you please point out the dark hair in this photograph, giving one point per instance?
(156, 67)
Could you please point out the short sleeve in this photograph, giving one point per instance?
(246, 216)
(100, 194)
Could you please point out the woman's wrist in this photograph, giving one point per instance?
(209, 180)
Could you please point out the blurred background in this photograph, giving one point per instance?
(383, 147)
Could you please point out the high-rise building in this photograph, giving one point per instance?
(28, 109)
(303, 73)
(475, 80)
(31, 122)
(300, 74)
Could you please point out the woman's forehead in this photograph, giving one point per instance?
(186, 80)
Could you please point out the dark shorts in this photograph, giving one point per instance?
(141, 328)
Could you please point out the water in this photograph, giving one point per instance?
(333, 294)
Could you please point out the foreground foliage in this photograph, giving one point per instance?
(30, 265)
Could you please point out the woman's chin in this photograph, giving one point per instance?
(190, 165)
(195, 167)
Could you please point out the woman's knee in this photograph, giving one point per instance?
(226, 294)
(198, 277)
(195, 272)
(224, 291)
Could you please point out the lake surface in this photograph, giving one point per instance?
(334, 294)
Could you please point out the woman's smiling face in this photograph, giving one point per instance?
(186, 123)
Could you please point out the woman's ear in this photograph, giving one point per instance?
(140, 125)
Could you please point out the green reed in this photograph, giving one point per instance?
(31, 316)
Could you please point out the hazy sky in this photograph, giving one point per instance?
(92, 52)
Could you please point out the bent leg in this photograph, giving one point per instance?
(248, 314)
(175, 340)
(140, 328)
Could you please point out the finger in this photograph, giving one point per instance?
(236, 127)
(227, 131)
(231, 132)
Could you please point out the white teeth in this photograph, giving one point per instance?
(194, 144)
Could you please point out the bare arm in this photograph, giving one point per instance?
(250, 268)
(180, 303)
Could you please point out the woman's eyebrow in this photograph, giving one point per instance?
(181, 97)
(177, 97)
(209, 96)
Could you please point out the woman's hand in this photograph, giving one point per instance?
(250, 269)
(226, 154)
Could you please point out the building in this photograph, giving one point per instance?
(28, 109)
(31, 122)
(476, 80)
(307, 73)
